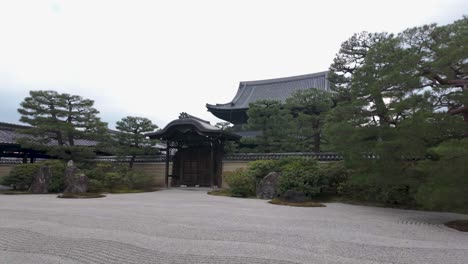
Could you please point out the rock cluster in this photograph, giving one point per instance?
(41, 180)
(75, 180)
(267, 187)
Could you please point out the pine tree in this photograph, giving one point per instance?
(58, 121)
(308, 109)
(271, 118)
(132, 138)
(398, 97)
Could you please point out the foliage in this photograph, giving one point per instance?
(260, 168)
(114, 177)
(399, 100)
(335, 173)
(460, 225)
(269, 117)
(95, 186)
(57, 182)
(303, 204)
(140, 181)
(21, 176)
(301, 174)
(240, 183)
(446, 183)
(308, 109)
(293, 126)
(297, 173)
(220, 192)
(132, 136)
(58, 121)
(87, 195)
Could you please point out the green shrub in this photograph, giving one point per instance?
(359, 192)
(117, 177)
(99, 170)
(240, 183)
(140, 180)
(369, 191)
(95, 186)
(446, 185)
(57, 182)
(114, 180)
(21, 176)
(260, 168)
(335, 173)
(395, 195)
(301, 174)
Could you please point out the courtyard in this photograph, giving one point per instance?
(189, 226)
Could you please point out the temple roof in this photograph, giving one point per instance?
(10, 133)
(272, 89)
(188, 125)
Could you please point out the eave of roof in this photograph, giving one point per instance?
(9, 135)
(272, 89)
(201, 126)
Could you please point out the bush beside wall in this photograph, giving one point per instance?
(21, 176)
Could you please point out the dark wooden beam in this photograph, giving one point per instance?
(168, 150)
(211, 164)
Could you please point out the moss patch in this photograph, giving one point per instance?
(80, 195)
(460, 225)
(304, 204)
(227, 193)
(125, 190)
(13, 192)
(221, 192)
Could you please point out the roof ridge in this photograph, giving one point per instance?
(185, 115)
(13, 126)
(284, 79)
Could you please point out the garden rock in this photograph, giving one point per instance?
(75, 180)
(294, 196)
(267, 187)
(41, 180)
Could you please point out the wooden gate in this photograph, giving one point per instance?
(195, 166)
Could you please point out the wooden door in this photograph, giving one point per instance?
(195, 166)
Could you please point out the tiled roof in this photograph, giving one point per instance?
(186, 119)
(9, 134)
(320, 156)
(273, 89)
(248, 134)
(142, 159)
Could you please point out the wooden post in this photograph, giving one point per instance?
(211, 164)
(168, 150)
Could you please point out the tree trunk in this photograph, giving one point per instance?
(71, 141)
(316, 136)
(132, 160)
(462, 110)
(59, 138)
(316, 146)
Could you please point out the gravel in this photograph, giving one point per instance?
(182, 226)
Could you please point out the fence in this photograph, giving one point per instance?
(155, 165)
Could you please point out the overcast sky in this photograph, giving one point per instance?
(158, 58)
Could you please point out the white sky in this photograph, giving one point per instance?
(159, 58)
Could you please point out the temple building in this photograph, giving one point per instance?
(200, 150)
(280, 89)
(10, 148)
